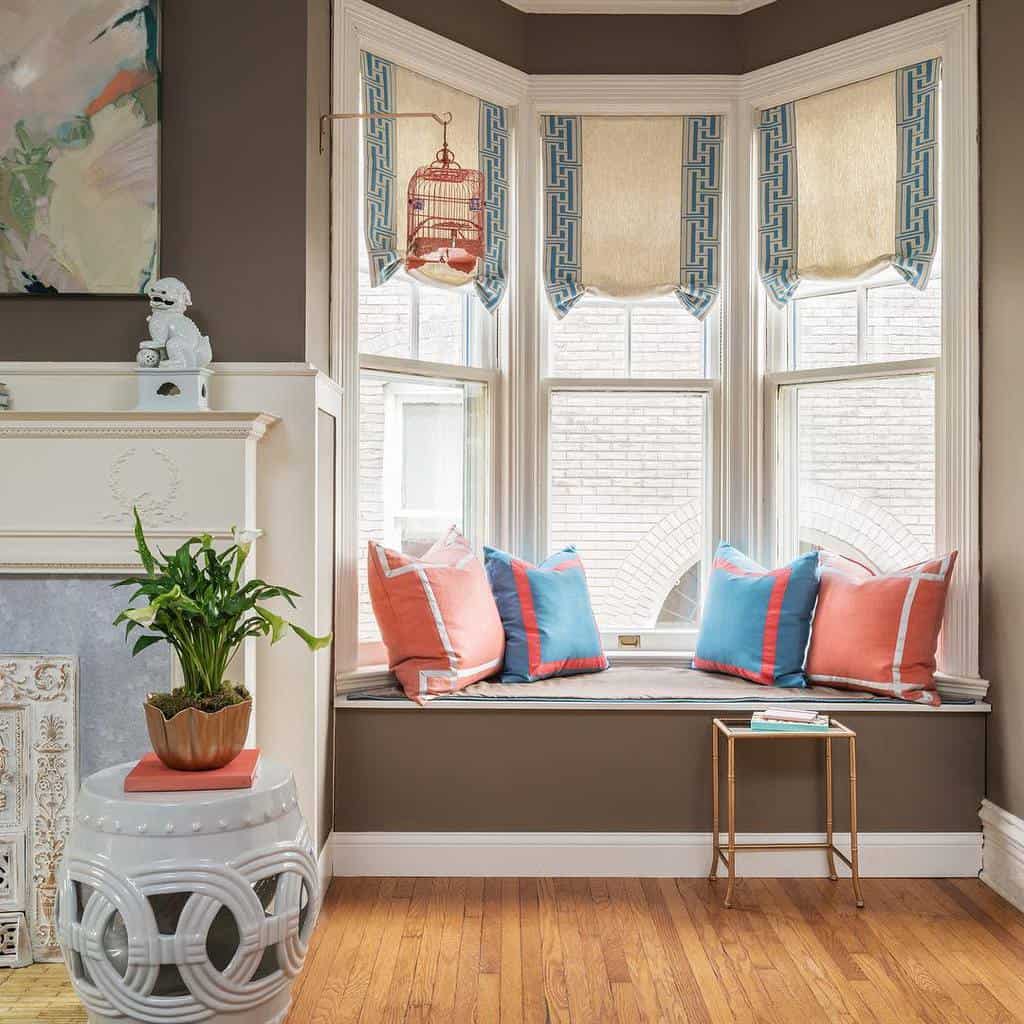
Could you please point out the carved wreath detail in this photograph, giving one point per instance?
(158, 508)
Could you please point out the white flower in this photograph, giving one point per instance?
(245, 539)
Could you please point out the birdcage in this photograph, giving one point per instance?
(446, 213)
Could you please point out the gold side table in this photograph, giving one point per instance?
(734, 729)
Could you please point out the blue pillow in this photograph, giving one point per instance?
(545, 609)
(756, 622)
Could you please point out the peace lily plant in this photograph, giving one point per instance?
(199, 604)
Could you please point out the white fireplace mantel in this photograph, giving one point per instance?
(69, 481)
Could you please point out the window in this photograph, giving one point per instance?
(856, 420)
(630, 401)
(426, 386)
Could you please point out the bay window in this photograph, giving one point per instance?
(844, 417)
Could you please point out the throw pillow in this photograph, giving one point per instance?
(756, 621)
(547, 615)
(879, 631)
(436, 615)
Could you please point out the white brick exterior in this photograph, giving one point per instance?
(626, 484)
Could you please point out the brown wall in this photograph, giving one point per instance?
(644, 771)
(233, 213)
(1002, 270)
(560, 44)
(788, 28)
(487, 26)
(621, 44)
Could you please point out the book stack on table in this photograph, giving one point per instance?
(788, 720)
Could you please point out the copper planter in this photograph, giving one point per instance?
(198, 741)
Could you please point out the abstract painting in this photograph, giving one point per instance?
(79, 124)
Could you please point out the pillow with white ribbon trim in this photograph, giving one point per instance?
(879, 631)
(437, 616)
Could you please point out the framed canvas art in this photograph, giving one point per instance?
(79, 153)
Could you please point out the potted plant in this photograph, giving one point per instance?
(199, 604)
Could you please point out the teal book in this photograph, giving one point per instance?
(761, 725)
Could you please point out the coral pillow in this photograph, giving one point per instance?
(437, 616)
(545, 609)
(755, 621)
(878, 632)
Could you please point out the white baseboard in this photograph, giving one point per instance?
(1003, 854)
(641, 854)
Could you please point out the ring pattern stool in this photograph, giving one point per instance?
(187, 907)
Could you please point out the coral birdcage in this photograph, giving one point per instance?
(446, 213)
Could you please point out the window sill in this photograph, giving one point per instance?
(378, 676)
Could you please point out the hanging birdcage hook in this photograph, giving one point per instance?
(444, 120)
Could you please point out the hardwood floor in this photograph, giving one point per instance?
(580, 951)
(627, 950)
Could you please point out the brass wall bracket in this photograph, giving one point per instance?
(327, 119)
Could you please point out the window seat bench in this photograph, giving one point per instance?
(644, 687)
(628, 750)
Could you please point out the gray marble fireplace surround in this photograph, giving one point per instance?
(72, 615)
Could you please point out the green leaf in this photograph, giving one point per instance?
(277, 625)
(145, 641)
(148, 562)
(314, 643)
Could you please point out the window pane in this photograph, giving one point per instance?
(666, 341)
(422, 467)
(627, 484)
(825, 330)
(443, 325)
(589, 342)
(385, 318)
(867, 468)
(904, 323)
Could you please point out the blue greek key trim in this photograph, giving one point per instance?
(699, 273)
(492, 278)
(561, 152)
(777, 226)
(378, 77)
(917, 201)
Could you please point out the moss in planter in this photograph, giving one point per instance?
(177, 700)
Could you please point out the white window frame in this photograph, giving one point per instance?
(360, 26)
(949, 33)
(664, 95)
(745, 475)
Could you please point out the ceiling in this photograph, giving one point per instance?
(637, 6)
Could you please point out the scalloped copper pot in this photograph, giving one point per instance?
(198, 741)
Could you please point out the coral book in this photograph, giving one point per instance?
(151, 775)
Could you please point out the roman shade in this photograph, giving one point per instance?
(632, 208)
(394, 149)
(848, 182)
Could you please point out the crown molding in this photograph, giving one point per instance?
(637, 6)
(625, 94)
(430, 54)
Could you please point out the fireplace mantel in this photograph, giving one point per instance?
(70, 480)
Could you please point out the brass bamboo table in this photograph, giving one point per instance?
(734, 729)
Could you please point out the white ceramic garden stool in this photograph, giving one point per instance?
(182, 907)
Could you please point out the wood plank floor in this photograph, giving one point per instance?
(581, 951)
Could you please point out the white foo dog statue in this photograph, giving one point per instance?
(171, 331)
